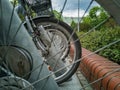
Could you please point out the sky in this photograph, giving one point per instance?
(71, 8)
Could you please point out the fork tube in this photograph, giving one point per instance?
(29, 25)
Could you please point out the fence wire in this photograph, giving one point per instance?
(41, 65)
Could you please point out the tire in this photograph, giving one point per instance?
(66, 30)
(14, 83)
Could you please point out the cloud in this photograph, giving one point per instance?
(72, 4)
(73, 13)
(71, 7)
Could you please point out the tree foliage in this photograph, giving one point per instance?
(73, 24)
(58, 15)
(98, 39)
(96, 15)
(105, 34)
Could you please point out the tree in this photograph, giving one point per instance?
(58, 15)
(96, 15)
(73, 24)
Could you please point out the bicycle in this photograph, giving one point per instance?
(47, 32)
(20, 64)
(54, 39)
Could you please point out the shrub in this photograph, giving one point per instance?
(98, 39)
(85, 26)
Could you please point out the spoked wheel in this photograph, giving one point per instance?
(14, 83)
(64, 50)
(16, 60)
